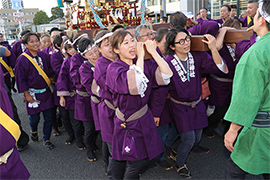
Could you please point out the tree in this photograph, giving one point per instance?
(53, 17)
(56, 13)
(41, 17)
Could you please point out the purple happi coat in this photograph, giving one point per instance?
(187, 118)
(219, 21)
(206, 27)
(200, 20)
(221, 92)
(48, 50)
(82, 104)
(10, 61)
(14, 169)
(87, 76)
(65, 86)
(244, 20)
(18, 48)
(27, 77)
(147, 140)
(57, 58)
(243, 46)
(158, 109)
(105, 114)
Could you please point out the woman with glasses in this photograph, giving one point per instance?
(187, 107)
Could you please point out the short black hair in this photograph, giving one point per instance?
(165, 19)
(26, 37)
(170, 38)
(54, 29)
(84, 43)
(57, 41)
(227, 5)
(233, 6)
(253, 1)
(266, 8)
(203, 8)
(117, 26)
(161, 32)
(178, 19)
(24, 32)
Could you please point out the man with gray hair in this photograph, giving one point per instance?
(143, 33)
(252, 7)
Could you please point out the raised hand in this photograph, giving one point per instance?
(140, 50)
(150, 46)
(211, 41)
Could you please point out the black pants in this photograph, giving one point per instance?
(115, 169)
(134, 168)
(24, 138)
(218, 114)
(67, 117)
(86, 128)
(89, 134)
(234, 172)
(56, 118)
(105, 154)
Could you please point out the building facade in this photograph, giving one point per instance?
(11, 25)
(7, 4)
(177, 5)
(216, 4)
(194, 6)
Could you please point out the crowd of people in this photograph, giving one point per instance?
(142, 90)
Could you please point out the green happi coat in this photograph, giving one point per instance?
(251, 93)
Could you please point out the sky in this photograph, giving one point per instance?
(44, 5)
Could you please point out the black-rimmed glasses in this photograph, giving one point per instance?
(182, 41)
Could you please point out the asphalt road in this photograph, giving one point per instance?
(67, 162)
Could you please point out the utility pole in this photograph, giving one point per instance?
(162, 9)
(238, 8)
(20, 22)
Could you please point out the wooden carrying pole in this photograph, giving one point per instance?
(231, 36)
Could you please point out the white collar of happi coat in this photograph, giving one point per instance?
(23, 47)
(181, 71)
(232, 52)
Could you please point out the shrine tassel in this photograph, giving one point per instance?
(143, 11)
(97, 18)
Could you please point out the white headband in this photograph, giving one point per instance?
(264, 14)
(86, 50)
(79, 38)
(66, 42)
(104, 37)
